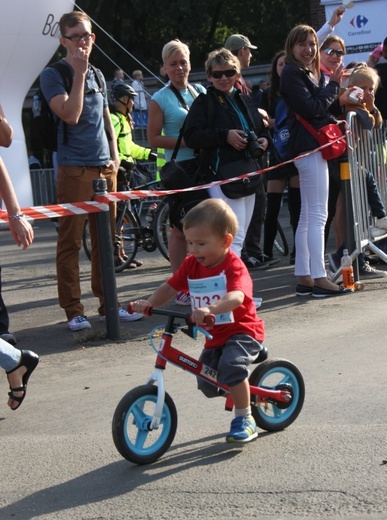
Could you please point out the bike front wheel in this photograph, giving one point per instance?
(277, 374)
(131, 428)
(162, 228)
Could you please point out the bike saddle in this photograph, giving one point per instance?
(262, 356)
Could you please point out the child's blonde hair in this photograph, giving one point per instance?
(214, 213)
(364, 73)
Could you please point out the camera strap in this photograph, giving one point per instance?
(194, 93)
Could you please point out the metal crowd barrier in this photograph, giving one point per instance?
(43, 186)
(367, 150)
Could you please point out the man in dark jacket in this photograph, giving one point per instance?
(252, 253)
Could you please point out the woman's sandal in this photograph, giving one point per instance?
(30, 361)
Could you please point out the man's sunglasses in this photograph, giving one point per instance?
(330, 51)
(229, 73)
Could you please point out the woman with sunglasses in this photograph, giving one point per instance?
(224, 138)
(332, 52)
(302, 87)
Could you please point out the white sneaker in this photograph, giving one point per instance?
(78, 323)
(123, 315)
(257, 302)
(381, 223)
(367, 271)
(378, 232)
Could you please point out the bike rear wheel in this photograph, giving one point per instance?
(277, 374)
(161, 227)
(131, 427)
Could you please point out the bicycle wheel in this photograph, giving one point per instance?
(132, 435)
(280, 242)
(86, 240)
(161, 228)
(127, 237)
(278, 374)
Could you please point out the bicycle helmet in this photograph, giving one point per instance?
(120, 90)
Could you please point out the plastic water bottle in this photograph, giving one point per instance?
(151, 212)
(347, 271)
(36, 106)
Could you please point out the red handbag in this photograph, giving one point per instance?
(327, 134)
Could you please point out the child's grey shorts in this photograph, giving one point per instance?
(230, 362)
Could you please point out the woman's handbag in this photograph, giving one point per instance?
(243, 187)
(327, 134)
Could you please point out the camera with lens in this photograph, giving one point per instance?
(253, 146)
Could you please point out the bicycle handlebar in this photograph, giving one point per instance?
(209, 320)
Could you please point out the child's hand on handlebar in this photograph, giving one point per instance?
(198, 316)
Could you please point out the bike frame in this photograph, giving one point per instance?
(169, 354)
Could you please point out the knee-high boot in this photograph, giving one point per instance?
(272, 211)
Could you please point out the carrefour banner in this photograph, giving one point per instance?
(29, 36)
(364, 26)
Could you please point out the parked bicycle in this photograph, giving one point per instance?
(145, 420)
(131, 234)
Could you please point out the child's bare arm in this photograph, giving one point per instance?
(227, 303)
(162, 295)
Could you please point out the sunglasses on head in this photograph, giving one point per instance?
(330, 51)
(229, 73)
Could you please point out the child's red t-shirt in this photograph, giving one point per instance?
(238, 279)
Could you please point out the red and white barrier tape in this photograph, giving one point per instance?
(59, 210)
(100, 202)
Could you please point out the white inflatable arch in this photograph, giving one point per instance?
(28, 39)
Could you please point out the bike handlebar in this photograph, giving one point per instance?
(209, 320)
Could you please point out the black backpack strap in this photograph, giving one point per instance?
(97, 77)
(67, 78)
(65, 72)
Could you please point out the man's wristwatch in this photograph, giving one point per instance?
(374, 111)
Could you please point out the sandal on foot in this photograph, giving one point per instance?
(16, 398)
(30, 361)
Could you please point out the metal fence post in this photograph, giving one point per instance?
(106, 258)
(350, 242)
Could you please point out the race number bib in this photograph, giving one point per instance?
(206, 291)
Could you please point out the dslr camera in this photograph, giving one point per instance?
(253, 146)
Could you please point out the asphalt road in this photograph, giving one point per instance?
(58, 459)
